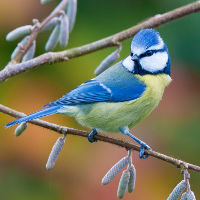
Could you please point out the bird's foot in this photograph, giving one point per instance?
(91, 135)
(143, 145)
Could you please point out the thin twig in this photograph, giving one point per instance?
(157, 20)
(62, 130)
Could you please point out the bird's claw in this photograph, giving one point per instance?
(91, 135)
(142, 149)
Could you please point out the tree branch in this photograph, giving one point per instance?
(103, 138)
(113, 40)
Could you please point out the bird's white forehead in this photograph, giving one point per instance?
(138, 49)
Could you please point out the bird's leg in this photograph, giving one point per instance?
(143, 145)
(91, 135)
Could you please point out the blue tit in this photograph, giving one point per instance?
(121, 96)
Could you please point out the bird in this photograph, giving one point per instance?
(122, 95)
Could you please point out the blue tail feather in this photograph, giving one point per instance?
(35, 115)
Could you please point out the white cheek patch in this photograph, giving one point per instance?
(128, 64)
(156, 62)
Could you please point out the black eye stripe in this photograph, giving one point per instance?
(152, 52)
(147, 53)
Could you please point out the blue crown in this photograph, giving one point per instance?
(146, 38)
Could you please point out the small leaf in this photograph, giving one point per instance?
(55, 152)
(54, 21)
(64, 31)
(131, 183)
(17, 49)
(123, 183)
(20, 129)
(45, 1)
(30, 53)
(71, 13)
(19, 32)
(114, 170)
(177, 191)
(107, 62)
(53, 38)
(189, 195)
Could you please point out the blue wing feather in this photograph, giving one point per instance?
(115, 85)
(35, 115)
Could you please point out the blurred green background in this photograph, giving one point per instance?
(173, 128)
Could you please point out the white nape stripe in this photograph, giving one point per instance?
(128, 64)
(158, 46)
(156, 62)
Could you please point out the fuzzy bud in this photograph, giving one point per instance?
(189, 195)
(19, 32)
(30, 53)
(71, 13)
(114, 171)
(64, 31)
(107, 62)
(20, 129)
(131, 183)
(177, 191)
(123, 183)
(19, 46)
(53, 38)
(55, 153)
(45, 1)
(54, 21)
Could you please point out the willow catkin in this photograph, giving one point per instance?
(131, 183)
(114, 170)
(20, 129)
(189, 195)
(64, 31)
(54, 21)
(53, 38)
(19, 32)
(45, 1)
(71, 13)
(123, 183)
(55, 153)
(177, 191)
(30, 53)
(107, 62)
(17, 49)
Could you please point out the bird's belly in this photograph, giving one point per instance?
(110, 117)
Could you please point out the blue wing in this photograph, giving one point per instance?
(114, 85)
(108, 87)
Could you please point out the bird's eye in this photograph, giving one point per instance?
(149, 53)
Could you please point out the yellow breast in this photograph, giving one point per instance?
(156, 85)
(110, 116)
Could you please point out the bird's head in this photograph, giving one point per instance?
(149, 54)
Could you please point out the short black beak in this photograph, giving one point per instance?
(134, 57)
